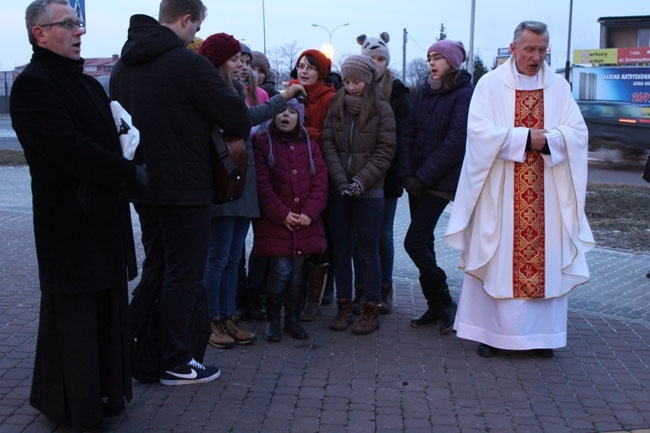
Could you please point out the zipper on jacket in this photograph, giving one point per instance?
(350, 148)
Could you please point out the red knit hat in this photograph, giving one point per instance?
(219, 47)
(324, 64)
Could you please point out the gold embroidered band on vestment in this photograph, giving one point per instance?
(529, 249)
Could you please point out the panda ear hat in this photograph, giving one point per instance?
(375, 47)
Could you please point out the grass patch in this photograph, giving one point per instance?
(619, 216)
(9, 157)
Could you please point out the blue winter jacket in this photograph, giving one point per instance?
(432, 144)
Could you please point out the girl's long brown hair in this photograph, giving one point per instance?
(370, 104)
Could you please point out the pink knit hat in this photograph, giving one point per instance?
(453, 51)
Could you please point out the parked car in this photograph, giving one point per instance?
(617, 130)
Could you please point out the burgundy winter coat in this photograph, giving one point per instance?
(288, 186)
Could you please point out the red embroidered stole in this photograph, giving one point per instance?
(529, 249)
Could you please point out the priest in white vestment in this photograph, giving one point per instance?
(518, 219)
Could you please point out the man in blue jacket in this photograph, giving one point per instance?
(175, 98)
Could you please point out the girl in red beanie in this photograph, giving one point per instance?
(231, 220)
(311, 68)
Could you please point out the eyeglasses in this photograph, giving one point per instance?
(304, 67)
(67, 24)
(434, 58)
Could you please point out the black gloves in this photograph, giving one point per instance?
(413, 185)
(353, 189)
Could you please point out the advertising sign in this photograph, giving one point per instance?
(604, 56)
(633, 55)
(503, 52)
(627, 84)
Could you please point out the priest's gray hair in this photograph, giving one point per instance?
(537, 27)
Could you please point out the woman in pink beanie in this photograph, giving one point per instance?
(431, 155)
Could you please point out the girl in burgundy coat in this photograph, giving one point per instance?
(292, 186)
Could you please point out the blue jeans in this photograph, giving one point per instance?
(285, 270)
(386, 246)
(227, 239)
(360, 219)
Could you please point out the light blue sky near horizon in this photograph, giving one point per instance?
(287, 22)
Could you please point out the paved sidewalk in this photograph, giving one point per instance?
(399, 379)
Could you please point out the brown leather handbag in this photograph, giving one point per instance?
(229, 164)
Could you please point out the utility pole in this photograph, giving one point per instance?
(567, 67)
(264, 25)
(470, 54)
(404, 56)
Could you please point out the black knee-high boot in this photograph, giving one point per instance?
(273, 331)
(292, 313)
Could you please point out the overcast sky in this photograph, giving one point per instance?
(289, 20)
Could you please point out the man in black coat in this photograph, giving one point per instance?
(175, 98)
(82, 225)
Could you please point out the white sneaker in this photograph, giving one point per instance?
(192, 372)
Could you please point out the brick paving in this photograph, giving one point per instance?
(399, 379)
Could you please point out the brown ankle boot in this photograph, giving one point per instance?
(219, 338)
(240, 336)
(343, 318)
(369, 321)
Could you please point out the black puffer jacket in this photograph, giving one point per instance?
(432, 145)
(175, 97)
(400, 102)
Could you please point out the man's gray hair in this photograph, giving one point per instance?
(39, 12)
(537, 27)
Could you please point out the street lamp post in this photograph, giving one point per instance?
(330, 33)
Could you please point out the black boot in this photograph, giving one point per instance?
(436, 292)
(273, 310)
(447, 319)
(328, 293)
(291, 313)
(386, 305)
(256, 304)
(241, 295)
(315, 281)
(241, 303)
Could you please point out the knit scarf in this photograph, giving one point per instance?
(353, 104)
(435, 84)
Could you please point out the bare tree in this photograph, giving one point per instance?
(289, 54)
(416, 72)
(283, 59)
